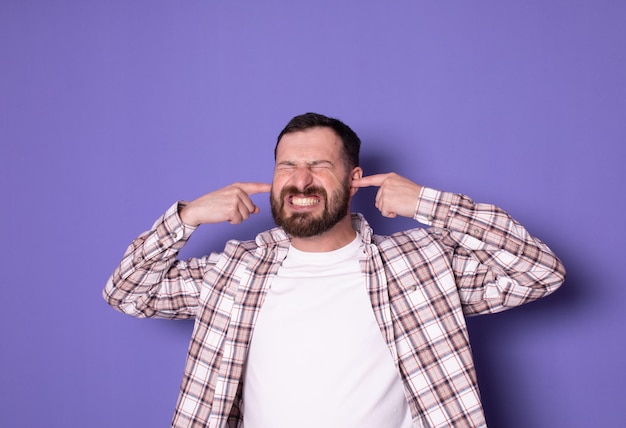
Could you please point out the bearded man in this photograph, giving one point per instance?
(319, 322)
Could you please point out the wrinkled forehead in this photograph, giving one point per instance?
(309, 145)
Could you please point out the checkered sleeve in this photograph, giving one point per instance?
(497, 263)
(150, 281)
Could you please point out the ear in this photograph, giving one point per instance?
(357, 173)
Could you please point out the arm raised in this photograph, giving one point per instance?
(396, 196)
(231, 203)
(150, 281)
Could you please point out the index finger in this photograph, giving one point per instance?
(370, 180)
(252, 187)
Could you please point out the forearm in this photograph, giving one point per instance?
(150, 281)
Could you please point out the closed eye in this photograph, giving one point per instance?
(283, 166)
(321, 165)
(314, 165)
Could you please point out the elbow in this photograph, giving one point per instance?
(119, 300)
(108, 294)
(559, 274)
(112, 295)
(553, 278)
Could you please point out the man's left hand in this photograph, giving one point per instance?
(396, 196)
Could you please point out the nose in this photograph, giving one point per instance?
(302, 177)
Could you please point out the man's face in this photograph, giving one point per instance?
(311, 187)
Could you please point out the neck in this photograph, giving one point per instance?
(338, 236)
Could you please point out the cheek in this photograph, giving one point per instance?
(334, 181)
(277, 187)
(275, 182)
(279, 179)
(324, 178)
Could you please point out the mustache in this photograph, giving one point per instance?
(311, 190)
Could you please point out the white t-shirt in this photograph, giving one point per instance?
(317, 356)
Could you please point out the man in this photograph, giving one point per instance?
(318, 322)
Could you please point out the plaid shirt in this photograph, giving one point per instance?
(422, 283)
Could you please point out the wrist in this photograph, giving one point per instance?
(186, 215)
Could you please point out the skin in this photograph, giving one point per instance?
(305, 158)
(313, 157)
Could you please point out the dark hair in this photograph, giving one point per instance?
(351, 141)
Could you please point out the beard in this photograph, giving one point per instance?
(305, 225)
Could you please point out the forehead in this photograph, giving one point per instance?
(310, 144)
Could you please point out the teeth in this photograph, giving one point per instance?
(304, 202)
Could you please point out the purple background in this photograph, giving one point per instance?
(112, 110)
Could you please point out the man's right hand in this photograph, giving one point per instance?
(231, 203)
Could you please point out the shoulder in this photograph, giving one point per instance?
(268, 240)
(411, 239)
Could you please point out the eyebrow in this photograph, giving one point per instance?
(310, 163)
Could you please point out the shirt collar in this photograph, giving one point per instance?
(278, 237)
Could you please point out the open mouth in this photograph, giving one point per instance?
(304, 201)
